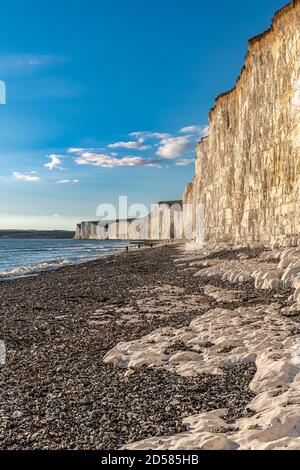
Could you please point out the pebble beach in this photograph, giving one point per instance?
(70, 335)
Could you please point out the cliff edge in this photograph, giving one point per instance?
(248, 167)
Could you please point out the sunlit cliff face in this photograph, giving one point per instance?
(296, 99)
(296, 103)
(248, 171)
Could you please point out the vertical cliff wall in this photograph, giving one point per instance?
(248, 167)
(165, 222)
(91, 231)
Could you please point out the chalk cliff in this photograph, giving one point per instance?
(248, 166)
(91, 231)
(165, 222)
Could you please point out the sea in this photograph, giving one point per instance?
(20, 257)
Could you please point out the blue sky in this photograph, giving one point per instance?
(108, 98)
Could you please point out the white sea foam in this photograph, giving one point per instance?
(35, 268)
(29, 257)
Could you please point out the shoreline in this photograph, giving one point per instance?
(68, 384)
(37, 271)
(132, 246)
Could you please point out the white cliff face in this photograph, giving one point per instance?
(91, 231)
(248, 167)
(164, 223)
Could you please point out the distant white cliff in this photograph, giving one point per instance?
(164, 223)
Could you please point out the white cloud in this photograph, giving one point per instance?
(173, 147)
(76, 150)
(184, 162)
(67, 181)
(26, 177)
(55, 162)
(107, 161)
(194, 130)
(149, 135)
(169, 146)
(132, 145)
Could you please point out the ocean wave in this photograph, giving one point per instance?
(35, 268)
(17, 260)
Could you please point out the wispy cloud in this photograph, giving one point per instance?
(194, 130)
(76, 150)
(108, 161)
(27, 62)
(149, 135)
(55, 162)
(173, 147)
(80, 150)
(28, 177)
(168, 147)
(184, 162)
(131, 145)
(67, 181)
